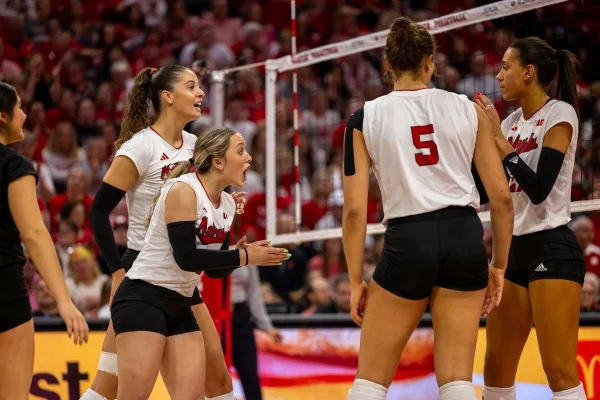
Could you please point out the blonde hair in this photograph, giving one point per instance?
(52, 144)
(83, 253)
(210, 145)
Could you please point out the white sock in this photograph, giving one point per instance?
(91, 395)
(458, 390)
(228, 396)
(492, 393)
(364, 390)
(576, 393)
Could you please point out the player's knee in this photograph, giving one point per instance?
(108, 363)
(499, 393)
(458, 390)
(561, 377)
(217, 386)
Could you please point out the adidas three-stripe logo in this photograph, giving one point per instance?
(164, 157)
(514, 160)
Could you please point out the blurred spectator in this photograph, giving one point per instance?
(315, 209)
(341, 297)
(75, 211)
(66, 239)
(583, 228)
(104, 306)
(85, 281)
(589, 292)
(96, 164)
(62, 153)
(316, 296)
(76, 190)
(331, 261)
(479, 79)
(45, 186)
(288, 279)
(47, 306)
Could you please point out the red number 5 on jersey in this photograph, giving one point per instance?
(424, 159)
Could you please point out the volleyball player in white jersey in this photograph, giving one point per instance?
(188, 233)
(546, 266)
(145, 154)
(421, 144)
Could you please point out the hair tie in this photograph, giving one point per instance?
(153, 70)
(191, 161)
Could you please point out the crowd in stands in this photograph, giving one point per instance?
(73, 62)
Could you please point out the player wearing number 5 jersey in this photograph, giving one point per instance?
(421, 144)
(546, 265)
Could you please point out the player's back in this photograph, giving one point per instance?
(421, 144)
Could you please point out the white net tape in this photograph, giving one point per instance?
(357, 45)
(438, 25)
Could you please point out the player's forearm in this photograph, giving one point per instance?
(354, 232)
(502, 218)
(46, 261)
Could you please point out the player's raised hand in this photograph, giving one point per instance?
(488, 106)
(261, 253)
(240, 201)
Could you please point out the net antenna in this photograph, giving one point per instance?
(341, 49)
(297, 196)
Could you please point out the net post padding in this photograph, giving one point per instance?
(357, 45)
(217, 97)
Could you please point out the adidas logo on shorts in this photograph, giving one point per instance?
(514, 160)
(541, 268)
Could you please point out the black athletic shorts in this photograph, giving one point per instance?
(142, 306)
(550, 254)
(127, 261)
(15, 308)
(441, 248)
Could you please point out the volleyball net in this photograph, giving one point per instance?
(304, 123)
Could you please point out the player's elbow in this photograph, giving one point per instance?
(183, 262)
(34, 236)
(539, 196)
(501, 202)
(352, 213)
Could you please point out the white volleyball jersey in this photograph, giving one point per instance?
(154, 158)
(421, 145)
(527, 137)
(155, 264)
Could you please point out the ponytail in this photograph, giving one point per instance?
(181, 168)
(566, 87)
(135, 117)
(146, 90)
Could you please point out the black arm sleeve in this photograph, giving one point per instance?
(104, 202)
(354, 122)
(536, 184)
(225, 272)
(182, 236)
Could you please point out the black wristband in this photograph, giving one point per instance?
(246, 256)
